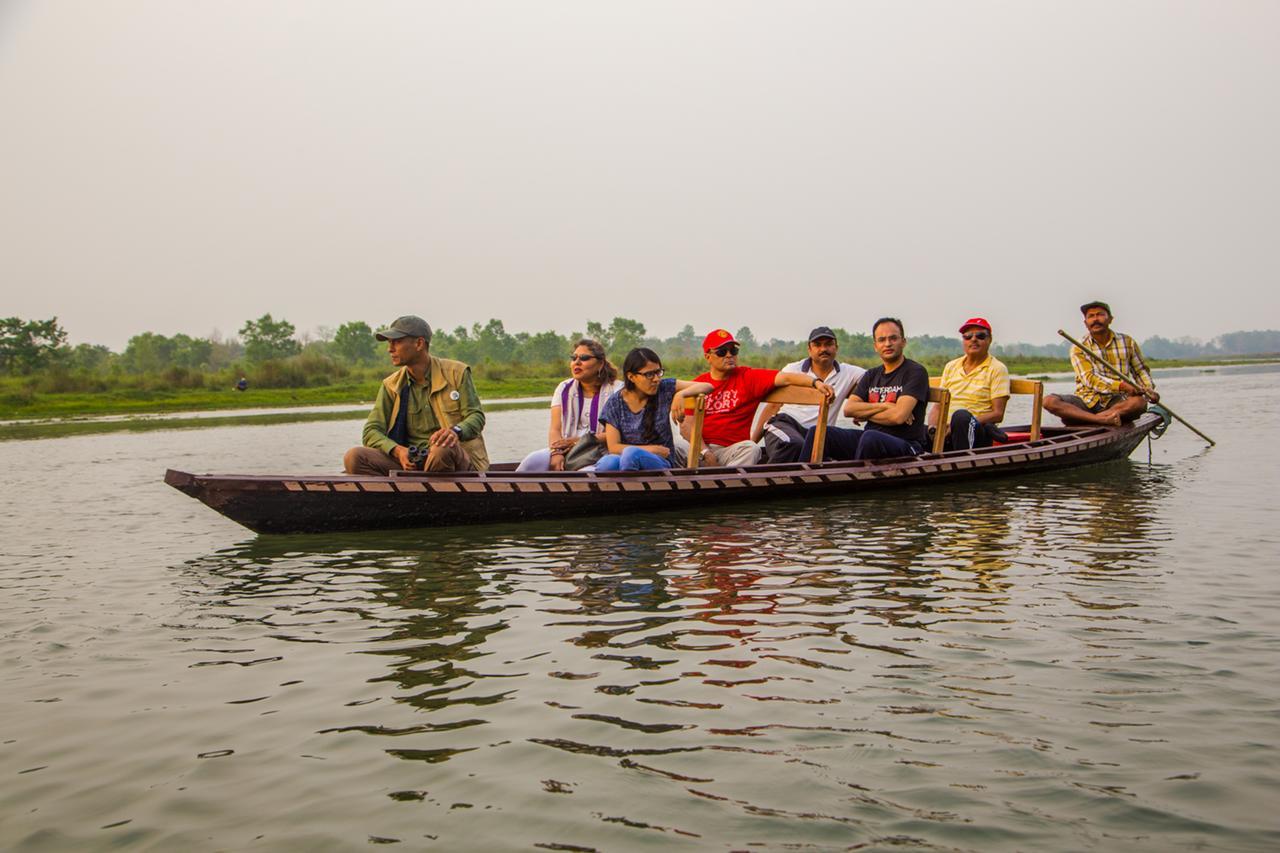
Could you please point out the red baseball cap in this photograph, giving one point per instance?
(717, 338)
(975, 321)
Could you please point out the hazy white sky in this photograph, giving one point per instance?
(183, 166)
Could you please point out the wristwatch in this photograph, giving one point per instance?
(457, 430)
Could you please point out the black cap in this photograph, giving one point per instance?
(1084, 309)
(821, 332)
(407, 326)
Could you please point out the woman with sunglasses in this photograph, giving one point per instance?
(637, 421)
(576, 405)
(979, 386)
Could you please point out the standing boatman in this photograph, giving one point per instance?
(1100, 398)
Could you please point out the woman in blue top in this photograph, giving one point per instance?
(637, 419)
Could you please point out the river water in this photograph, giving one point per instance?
(1085, 661)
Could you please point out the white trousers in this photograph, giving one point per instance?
(742, 453)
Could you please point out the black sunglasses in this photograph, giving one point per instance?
(727, 349)
(581, 357)
(980, 336)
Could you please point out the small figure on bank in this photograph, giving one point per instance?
(428, 402)
(638, 419)
(783, 427)
(891, 397)
(979, 386)
(243, 384)
(576, 405)
(1101, 398)
(731, 406)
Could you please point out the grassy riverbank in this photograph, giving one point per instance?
(150, 423)
(19, 401)
(16, 403)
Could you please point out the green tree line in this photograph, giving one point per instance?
(270, 353)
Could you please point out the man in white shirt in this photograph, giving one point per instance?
(783, 427)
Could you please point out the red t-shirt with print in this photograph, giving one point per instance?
(731, 407)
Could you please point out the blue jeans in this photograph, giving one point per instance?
(859, 444)
(881, 445)
(632, 459)
(841, 443)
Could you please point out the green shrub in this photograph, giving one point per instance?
(18, 399)
(183, 377)
(309, 370)
(58, 380)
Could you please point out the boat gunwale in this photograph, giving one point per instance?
(1067, 437)
(318, 503)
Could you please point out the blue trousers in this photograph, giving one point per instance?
(632, 459)
(859, 444)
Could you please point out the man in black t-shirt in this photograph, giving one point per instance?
(891, 398)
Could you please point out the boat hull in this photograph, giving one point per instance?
(302, 504)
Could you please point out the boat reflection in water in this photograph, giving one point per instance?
(907, 664)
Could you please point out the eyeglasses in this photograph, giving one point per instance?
(727, 349)
(976, 336)
(652, 374)
(576, 358)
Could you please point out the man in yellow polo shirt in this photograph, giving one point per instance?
(979, 386)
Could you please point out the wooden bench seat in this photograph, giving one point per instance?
(1033, 387)
(804, 397)
(785, 394)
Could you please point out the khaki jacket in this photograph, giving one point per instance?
(451, 400)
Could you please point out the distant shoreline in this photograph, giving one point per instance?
(197, 410)
(63, 427)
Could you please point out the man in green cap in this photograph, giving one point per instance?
(429, 403)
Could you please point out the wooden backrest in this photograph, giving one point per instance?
(942, 397)
(1034, 387)
(785, 394)
(695, 440)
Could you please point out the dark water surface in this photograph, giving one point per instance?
(1088, 660)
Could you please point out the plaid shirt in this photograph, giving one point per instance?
(1094, 384)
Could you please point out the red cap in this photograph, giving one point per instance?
(717, 338)
(975, 321)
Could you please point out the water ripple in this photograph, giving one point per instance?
(1023, 664)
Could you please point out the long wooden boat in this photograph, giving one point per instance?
(296, 504)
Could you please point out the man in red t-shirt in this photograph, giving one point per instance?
(731, 407)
